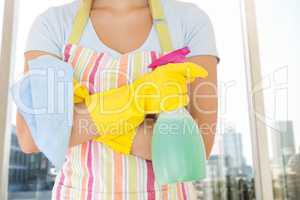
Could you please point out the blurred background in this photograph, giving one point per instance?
(257, 149)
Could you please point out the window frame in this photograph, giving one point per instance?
(256, 103)
(9, 21)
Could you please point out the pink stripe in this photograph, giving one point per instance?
(118, 176)
(87, 70)
(60, 184)
(153, 56)
(68, 177)
(123, 71)
(93, 74)
(178, 191)
(150, 181)
(97, 167)
(84, 169)
(178, 56)
(67, 52)
(104, 63)
(90, 170)
(183, 191)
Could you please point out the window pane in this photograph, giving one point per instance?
(278, 25)
(30, 176)
(230, 168)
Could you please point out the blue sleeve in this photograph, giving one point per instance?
(44, 97)
(199, 34)
(46, 34)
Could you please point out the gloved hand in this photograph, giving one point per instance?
(118, 112)
(114, 111)
(165, 89)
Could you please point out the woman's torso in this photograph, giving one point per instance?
(93, 171)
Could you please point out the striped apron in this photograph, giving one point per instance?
(93, 171)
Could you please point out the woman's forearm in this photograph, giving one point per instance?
(204, 109)
(82, 131)
(141, 146)
(83, 128)
(204, 100)
(25, 139)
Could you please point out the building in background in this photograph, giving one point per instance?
(234, 159)
(293, 177)
(232, 147)
(283, 142)
(28, 174)
(285, 162)
(228, 175)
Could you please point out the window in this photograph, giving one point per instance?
(230, 168)
(279, 43)
(30, 176)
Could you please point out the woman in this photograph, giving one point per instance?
(124, 31)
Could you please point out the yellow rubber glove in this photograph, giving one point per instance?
(118, 112)
(165, 89)
(113, 111)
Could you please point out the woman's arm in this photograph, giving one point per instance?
(82, 131)
(204, 100)
(203, 107)
(141, 146)
(83, 128)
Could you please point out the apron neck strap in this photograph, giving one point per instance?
(161, 25)
(80, 21)
(158, 16)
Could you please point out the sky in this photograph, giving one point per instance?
(225, 16)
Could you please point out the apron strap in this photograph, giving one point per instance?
(80, 21)
(158, 16)
(161, 25)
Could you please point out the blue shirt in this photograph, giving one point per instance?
(189, 26)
